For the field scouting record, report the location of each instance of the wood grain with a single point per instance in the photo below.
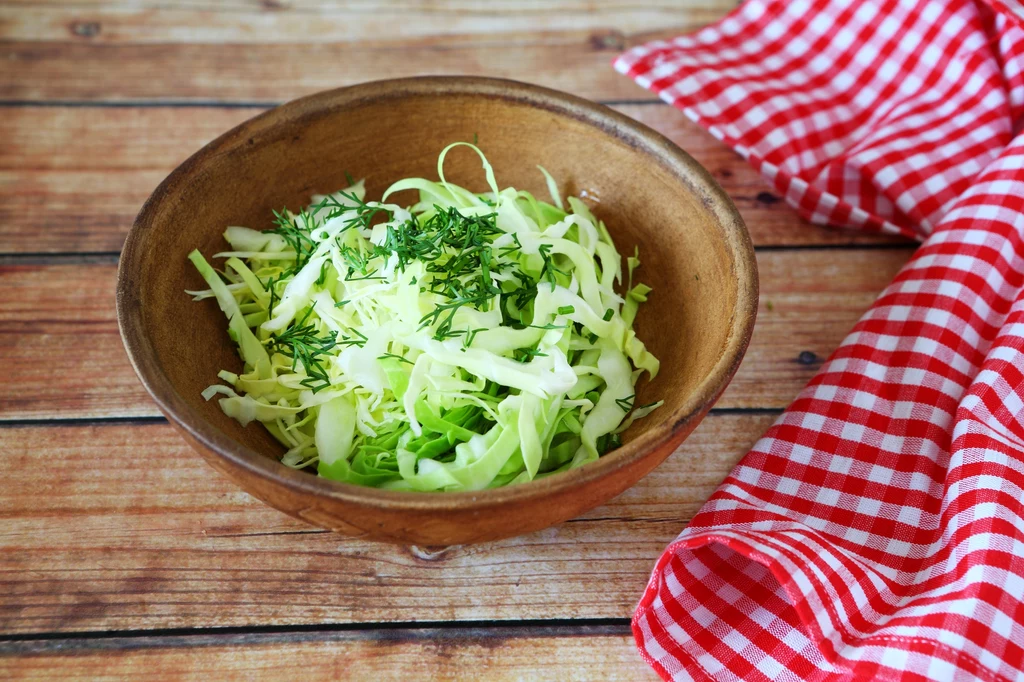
(478, 654)
(357, 9)
(357, 24)
(80, 69)
(122, 526)
(810, 300)
(64, 358)
(72, 179)
(576, 62)
(276, 49)
(60, 343)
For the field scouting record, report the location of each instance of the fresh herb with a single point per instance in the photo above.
(359, 340)
(370, 275)
(444, 314)
(548, 271)
(353, 258)
(506, 250)
(441, 257)
(323, 273)
(297, 238)
(468, 340)
(396, 357)
(302, 343)
(527, 354)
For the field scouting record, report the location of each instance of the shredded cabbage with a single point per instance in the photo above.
(468, 341)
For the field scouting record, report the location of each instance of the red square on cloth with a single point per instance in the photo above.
(876, 531)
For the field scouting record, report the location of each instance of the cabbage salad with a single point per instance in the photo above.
(468, 341)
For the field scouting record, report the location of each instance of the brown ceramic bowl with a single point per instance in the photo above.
(695, 251)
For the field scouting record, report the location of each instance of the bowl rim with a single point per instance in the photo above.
(652, 144)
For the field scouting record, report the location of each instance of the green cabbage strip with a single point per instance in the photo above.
(467, 341)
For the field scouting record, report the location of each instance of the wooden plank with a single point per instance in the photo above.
(475, 7)
(63, 355)
(810, 300)
(40, 71)
(72, 179)
(478, 654)
(122, 527)
(61, 345)
(387, 22)
(276, 50)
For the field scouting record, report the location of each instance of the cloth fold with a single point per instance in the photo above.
(876, 531)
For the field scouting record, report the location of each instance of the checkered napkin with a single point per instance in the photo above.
(876, 531)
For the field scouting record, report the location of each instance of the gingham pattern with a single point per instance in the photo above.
(876, 531)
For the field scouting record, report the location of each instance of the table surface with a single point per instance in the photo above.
(122, 552)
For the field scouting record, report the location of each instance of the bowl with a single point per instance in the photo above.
(695, 250)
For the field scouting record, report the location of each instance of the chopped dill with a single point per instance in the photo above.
(396, 357)
(427, 278)
(302, 343)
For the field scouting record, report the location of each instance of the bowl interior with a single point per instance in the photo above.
(670, 210)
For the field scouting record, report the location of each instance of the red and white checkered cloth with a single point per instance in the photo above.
(876, 531)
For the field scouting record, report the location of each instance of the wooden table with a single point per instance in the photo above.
(122, 553)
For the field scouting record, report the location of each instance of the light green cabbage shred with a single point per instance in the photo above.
(465, 342)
